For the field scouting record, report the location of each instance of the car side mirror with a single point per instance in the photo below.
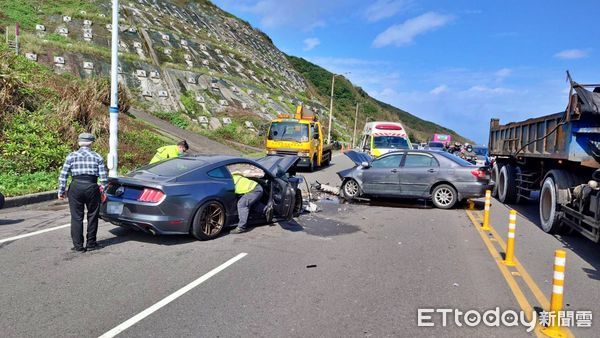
(365, 165)
(316, 136)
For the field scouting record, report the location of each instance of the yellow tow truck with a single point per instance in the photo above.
(300, 135)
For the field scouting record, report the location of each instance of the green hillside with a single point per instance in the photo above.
(347, 95)
(41, 114)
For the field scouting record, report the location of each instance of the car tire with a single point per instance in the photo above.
(298, 203)
(494, 178)
(213, 213)
(507, 190)
(350, 189)
(444, 196)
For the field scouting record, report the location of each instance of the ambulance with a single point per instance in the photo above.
(379, 138)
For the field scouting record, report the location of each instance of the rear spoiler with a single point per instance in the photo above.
(135, 182)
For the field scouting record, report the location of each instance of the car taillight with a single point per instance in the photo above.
(151, 196)
(479, 173)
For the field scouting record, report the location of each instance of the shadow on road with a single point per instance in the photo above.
(123, 235)
(583, 247)
(10, 221)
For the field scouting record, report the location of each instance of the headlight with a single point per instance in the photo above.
(271, 152)
(303, 153)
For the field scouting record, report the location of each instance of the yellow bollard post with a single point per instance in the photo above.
(486, 211)
(556, 301)
(510, 241)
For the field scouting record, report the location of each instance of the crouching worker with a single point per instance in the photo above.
(172, 151)
(250, 193)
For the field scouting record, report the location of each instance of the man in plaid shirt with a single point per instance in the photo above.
(86, 167)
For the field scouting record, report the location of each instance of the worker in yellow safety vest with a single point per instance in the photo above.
(250, 192)
(171, 151)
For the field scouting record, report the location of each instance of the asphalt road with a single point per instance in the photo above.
(348, 270)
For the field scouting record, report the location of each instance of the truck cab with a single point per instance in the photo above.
(300, 135)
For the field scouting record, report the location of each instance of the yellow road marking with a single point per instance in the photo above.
(510, 280)
(539, 295)
(533, 287)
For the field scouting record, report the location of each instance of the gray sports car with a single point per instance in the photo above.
(443, 177)
(195, 194)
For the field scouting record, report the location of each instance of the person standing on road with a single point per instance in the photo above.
(250, 192)
(86, 167)
(171, 151)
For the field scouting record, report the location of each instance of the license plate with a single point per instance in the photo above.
(114, 208)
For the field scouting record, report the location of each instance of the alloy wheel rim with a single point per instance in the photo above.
(212, 219)
(351, 188)
(444, 196)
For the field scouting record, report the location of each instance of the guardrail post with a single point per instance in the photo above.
(556, 301)
(509, 257)
(486, 211)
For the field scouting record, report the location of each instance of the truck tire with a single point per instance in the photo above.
(507, 190)
(327, 157)
(494, 178)
(555, 191)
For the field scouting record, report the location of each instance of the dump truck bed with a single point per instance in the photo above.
(575, 138)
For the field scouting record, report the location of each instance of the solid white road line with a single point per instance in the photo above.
(9, 239)
(133, 320)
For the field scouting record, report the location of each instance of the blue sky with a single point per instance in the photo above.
(457, 63)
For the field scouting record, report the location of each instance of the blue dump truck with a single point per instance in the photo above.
(556, 160)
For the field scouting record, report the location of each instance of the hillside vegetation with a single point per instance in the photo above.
(346, 95)
(41, 114)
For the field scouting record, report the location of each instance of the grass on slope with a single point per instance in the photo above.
(346, 96)
(28, 13)
(41, 114)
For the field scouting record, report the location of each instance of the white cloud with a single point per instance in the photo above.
(503, 73)
(439, 90)
(404, 33)
(311, 43)
(572, 54)
(383, 9)
(490, 90)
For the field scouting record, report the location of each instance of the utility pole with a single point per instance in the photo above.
(331, 107)
(355, 122)
(113, 111)
(330, 110)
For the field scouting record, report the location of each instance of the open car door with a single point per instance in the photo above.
(284, 187)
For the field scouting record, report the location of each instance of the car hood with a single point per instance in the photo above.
(278, 164)
(358, 157)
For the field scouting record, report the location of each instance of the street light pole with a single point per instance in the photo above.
(113, 111)
(330, 110)
(355, 122)
(331, 107)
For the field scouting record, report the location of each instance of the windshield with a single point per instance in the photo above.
(390, 142)
(171, 167)
(288, 131)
